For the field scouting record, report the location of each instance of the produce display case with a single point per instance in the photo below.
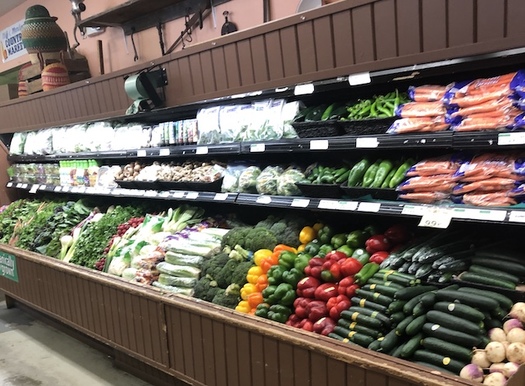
(203, 344)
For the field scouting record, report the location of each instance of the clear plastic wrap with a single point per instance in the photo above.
(286, 182)
(17, 143)
(248, 179)
(208, 126)
(268, 180)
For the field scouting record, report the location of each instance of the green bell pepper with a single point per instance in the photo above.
(301, 262)
(268, 294)
(338, 240)
(275, 274)
(346, 250)
(293, 276)
(284, 294)
(369, 231)
(287, 259)
(279, 313)
(356, 239)
(325, 248)
(325, 234)
(262, 310)
(361, 255)
(312, 248)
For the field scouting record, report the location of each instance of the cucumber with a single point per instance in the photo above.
(491, 323)
(460, 338)
(376, 344)
(503, 301)
(453, 266)
(357, 301)
(410, 347)
(396, 351)
(480, 279)
(339, 338)
(390, 341)
(428, 300)
(419, 309)
(495, 273)
(414, 267)
(460, 310)
(453, 322)
(446, 277)
(410, 292)
(353, 336)
(440, 346)
(439, 360)
(404, 268)
(416, 325)
(431, 366)
(397, 317)
(408, 308)
(470, 299)
(375, 280)
(357, 327)
(424, 271)
(374, 296)
(396, 306)
(442, 250)
(347, 314)
(382, 289)
(364, 320)
(397, 277)
(401, 326)
(501, 255)
(506, 266)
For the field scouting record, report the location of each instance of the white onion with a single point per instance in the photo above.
(495, 352)
(511, 324)
(518, 311)
(480, 358)
(510, 368)
(472, 372)
(495, 379)
(516, 335)
(516, 352)
(497, 335)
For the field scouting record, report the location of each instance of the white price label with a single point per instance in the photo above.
(304, 89)
(480, 214)
(117, 191)
(220, 196)
(359, 78)
(201, 150)
(263, 200)
(24, 186)
(74, 189)
(34, 189)
(436, 218)
(366, 142)
(337, 205)
(42, 187)
(9, 184)
(319, 144)
(19, 185)
(517, 216)
(412, 210)
(141, 153)
(373, 207)
(257, 148)
(164, 152)
(178, 194)
(164, 194)
(300, 203)
(511, 138)
(65, 188)
(57, 189)
(150, 193)
(81, 189)
(192, 195)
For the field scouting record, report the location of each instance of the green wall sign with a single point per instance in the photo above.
(8, 266)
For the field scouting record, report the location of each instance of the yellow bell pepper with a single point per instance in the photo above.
(260, 255)
(248, 289)
(318, 226)
(307, 234)
(301, 247)
(253, 274)
(243, 306)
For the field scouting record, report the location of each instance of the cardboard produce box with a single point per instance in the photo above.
(8, 92)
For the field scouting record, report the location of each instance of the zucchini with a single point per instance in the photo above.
(495, 273)
(460, 338)
(460, 310)
(396, 351)
(374, 296)
(453, 322)
(397, 277)
(347, 314)
(353, 336)
(500, 254)
(410, 292)
(481, 279)
(470, 299)
(408, 308)
(390, 341)
(382, 289)
(363, 319)
(491, 323)
(333, 335)
(397, 317)
(428, 300)
(503, 301)
(506, 266)
(416, 325)
(375, 345)
(419, 309)
(357, 327)
(375, 280)
(431, 366)
(402, 326)
(396, 306)
(357, 301)
(410, 347)
(439, 360)
(440, 346)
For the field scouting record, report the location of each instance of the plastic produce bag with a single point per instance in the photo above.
(17, 143)
(268, 180)
(288, 113)
(248, 179)
(208, 124)
(186, 282)
(234, 121)
(100, 136)
(178, 270)
(230, 182)
(286, 183)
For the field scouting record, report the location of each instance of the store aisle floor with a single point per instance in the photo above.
(35, 354)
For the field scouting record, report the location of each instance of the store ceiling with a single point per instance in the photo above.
(8, 5)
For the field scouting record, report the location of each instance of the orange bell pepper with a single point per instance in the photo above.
(262, 282)
(255, 299)
(284, 247)
(267, 262)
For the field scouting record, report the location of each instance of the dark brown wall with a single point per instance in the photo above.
(347, 37)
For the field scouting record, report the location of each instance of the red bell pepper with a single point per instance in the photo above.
(315, 267)
(316, 310)
(307, 286)
(347, 287)
(336, 256)
(301, 307)
(379, 257)
(350, 267)
(324, 326)
(397, 234)
(325, 291)
(293, 320)
(306, 325)
(336, 305)
(377, 243)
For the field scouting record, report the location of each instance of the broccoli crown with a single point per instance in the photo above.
(213, 266)
(236, 236)
(239, 275)
(260, 238)
(205, 289)
(228, 297)
(224, 277)
(268, 222)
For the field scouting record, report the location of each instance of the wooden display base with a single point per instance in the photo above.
(78, 70)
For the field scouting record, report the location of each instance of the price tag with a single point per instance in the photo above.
(74, 189)
(517, 216)
(65, 188)
(150, 193)
(369, 207)
(257, 148)
(192, 195)
(337, 205)
(366, 142)
(480, 214)
(304, 89)
(220, 196)
(117, 191)
(164, 194)
(18, 185)
(359, 78)
(263, 200)
(90, 190)
(201, 150)
(164, 152)
(34, 189)
(319, 144)
(300, 203)
(141, 153)
(412, 210)
(42, 187)
(326, 204)
(81, 189)
(9, 184)
(436, 218)
(511, 138)
(178, 194)
(24, 186)
(57, 189)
